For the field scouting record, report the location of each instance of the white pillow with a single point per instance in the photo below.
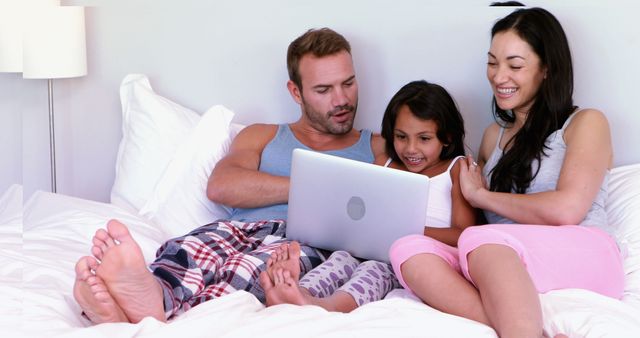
(179, 203)
(623, 213)
(152, 129)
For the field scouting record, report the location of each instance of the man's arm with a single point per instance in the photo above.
(236, 182)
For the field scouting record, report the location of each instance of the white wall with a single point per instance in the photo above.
(10, 131)
(202, 53)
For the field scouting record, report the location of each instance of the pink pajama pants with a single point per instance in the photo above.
(556, 257)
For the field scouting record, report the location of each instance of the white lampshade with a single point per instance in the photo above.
(54, 43)
(10, 38)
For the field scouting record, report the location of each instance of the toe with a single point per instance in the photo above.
(265, 281)
(97, 252)
(281, 252)
(92, 262)
(294, 249)
(101, 240)
(83, 271)
(118, 231)
(278, 276)
(101, 237)
(275, 255)
(287, 278)
(98, 288)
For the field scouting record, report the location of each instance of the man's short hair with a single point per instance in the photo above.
(319, 42)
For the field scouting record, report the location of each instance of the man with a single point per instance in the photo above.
(225, 256)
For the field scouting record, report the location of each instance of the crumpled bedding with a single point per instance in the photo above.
(42, 240)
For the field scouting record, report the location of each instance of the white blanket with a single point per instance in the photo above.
(37, 275)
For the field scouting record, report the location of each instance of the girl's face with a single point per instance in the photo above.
(415, 141)
(514, 72)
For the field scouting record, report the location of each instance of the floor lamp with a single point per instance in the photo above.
(53, 47)
(10, 40)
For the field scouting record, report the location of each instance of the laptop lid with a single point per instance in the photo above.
(362, 208)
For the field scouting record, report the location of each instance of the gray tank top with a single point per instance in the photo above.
(548, 175)
(276, 160)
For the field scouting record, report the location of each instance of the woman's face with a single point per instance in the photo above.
(416, 142)
(514, 71)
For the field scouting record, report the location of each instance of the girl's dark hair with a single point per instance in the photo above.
(427, 101)
(552, 105)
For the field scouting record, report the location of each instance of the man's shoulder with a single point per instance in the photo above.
(256, 135)
(259, 130)
(261, 127)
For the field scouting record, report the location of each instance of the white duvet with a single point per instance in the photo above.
(38, 252)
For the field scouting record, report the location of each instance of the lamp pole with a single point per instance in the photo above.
(52, 138)
(53, 47)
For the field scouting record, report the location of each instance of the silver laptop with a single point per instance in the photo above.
(362, 208)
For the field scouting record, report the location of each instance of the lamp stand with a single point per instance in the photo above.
(52, 138)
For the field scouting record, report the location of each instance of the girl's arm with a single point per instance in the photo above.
(588, 156)
(462, 213)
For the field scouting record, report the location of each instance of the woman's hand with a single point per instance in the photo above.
(472, 183)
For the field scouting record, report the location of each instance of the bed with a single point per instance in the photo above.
(165, 156)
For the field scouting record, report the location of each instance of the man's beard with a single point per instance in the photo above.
(323, 122)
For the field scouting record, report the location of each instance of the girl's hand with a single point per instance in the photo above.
(472, 183)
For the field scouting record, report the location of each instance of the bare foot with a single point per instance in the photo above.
(101, 243)
(283, 289)
(125, 273)
(287, 257)
(92, 295)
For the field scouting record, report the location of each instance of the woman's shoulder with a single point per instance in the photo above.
(588, 115)
(585, 120)
(492, 131)
(489, 141)
(589, 133)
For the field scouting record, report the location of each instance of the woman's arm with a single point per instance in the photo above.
(462, 213)
(588, 156)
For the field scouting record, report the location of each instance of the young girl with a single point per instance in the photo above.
(424, 133)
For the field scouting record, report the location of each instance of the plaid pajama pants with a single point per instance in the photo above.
(219, 258)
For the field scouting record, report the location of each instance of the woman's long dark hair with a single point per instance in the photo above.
(427, 101)
(553, 103)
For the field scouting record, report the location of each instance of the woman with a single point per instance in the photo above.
(546, 162)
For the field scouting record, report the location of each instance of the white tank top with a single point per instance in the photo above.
(548, 175)
(439, 208)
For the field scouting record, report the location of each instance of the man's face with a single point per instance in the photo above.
(329, 96)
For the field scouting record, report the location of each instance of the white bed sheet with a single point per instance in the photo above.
(58, 230)
(10, 249)
(39, 267)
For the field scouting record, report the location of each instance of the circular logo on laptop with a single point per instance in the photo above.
(356, 208)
